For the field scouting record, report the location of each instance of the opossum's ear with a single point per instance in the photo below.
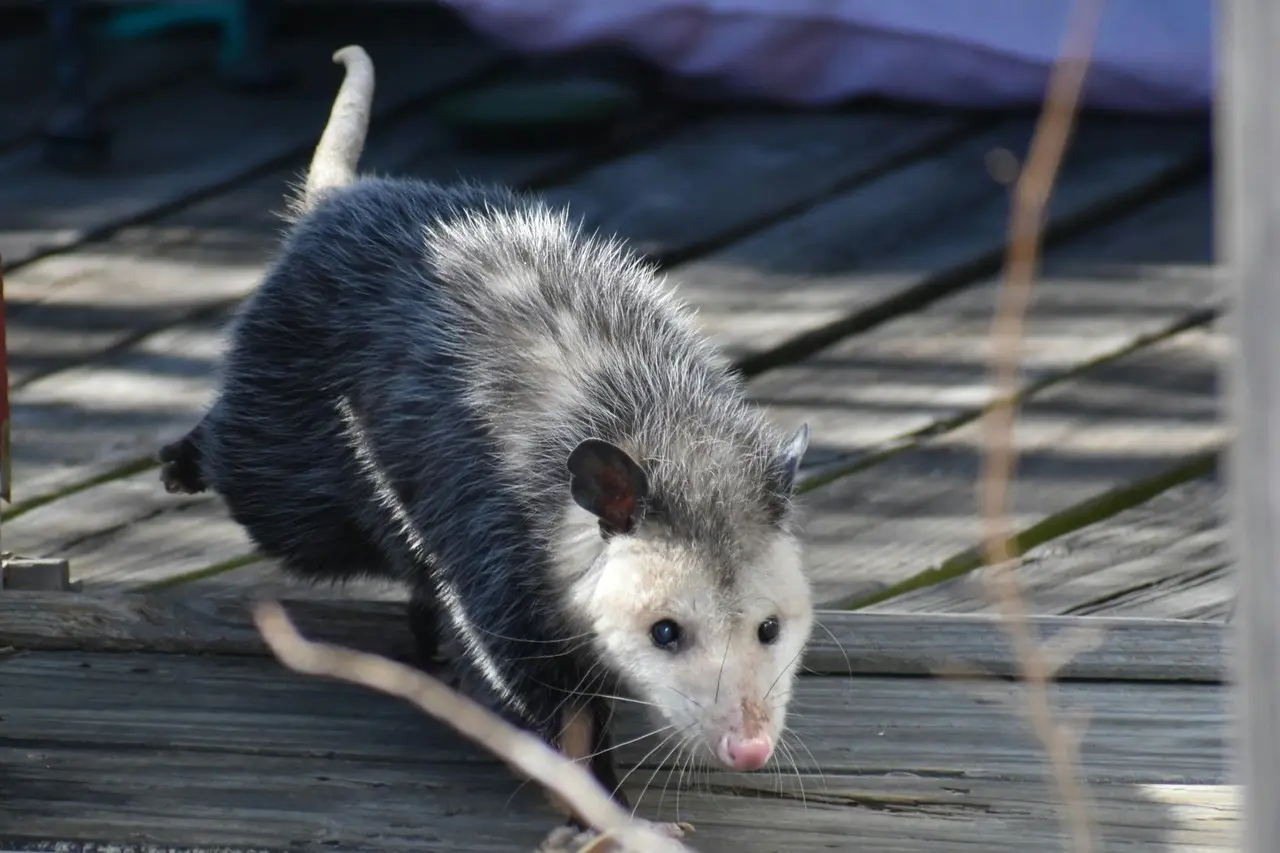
(792, 454)
(608, 483)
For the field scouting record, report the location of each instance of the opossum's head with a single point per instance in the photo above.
(699, 604)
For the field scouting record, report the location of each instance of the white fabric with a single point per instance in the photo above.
(1150, 55)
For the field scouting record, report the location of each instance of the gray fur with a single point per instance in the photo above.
(401, 393)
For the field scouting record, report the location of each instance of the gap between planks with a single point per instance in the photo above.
(1165, 557)
(843, 643)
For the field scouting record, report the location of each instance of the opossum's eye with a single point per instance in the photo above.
(768, 631)
(665, 634)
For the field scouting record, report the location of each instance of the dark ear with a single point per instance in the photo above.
(789, 463)
(608, 483)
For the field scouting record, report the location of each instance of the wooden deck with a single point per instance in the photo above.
(847, 260)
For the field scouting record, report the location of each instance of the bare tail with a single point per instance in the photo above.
(338, 152)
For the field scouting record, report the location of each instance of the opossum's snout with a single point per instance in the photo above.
(748, 754)
(742, 704)
(752, 753)
(747, 743)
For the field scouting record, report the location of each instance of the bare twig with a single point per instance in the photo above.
(618, 831)
(1030, 197)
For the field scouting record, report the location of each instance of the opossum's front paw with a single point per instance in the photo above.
(180, 471)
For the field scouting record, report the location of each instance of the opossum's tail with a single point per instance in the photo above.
(338, 152)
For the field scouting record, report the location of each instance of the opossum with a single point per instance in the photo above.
(458, 388)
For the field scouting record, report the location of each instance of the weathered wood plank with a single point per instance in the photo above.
(919, 232)
(1137, 732)
(1153, 817)
(1127, 421)
(1097, 295)
(122, 70)
(198, 135)
(1136, 649)
(905, 794)
(1166, 558)
(844, 643)
(228, 801)
(721, 176)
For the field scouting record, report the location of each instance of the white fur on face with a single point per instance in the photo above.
(722, 680)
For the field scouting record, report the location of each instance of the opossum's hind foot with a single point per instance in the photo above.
(180, 468)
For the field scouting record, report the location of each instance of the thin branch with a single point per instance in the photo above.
(1030, 198)
(620, 833)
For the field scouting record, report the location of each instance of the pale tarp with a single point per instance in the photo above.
(1150, 55)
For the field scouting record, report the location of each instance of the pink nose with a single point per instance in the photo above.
(745, 753)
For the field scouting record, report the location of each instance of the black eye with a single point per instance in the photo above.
(665, 634)
(768, 631)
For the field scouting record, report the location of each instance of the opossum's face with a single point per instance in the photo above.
(714, 649)
(717, 660)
